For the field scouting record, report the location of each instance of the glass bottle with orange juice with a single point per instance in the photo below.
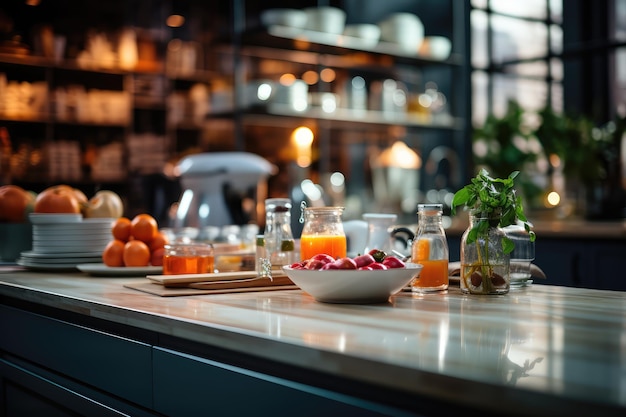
(430, 248)
(323, 232)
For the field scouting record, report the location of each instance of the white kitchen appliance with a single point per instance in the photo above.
(221, 188)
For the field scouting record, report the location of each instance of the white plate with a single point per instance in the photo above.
(77, 254)
(101, 270)
(353, 286)
(65, 261)
(71, 239)
(45, 218)
(59, 250)
(78, 227)
(45, 266)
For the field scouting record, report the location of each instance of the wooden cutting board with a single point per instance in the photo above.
(162, 291)
(236, 279)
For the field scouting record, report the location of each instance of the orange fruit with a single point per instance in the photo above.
(57, 199)
(14, 201)
(143, 227)
(121, 229)
(136, 253)
(158, 241)
(156, 257)
(113, 254)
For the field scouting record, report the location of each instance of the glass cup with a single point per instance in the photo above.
(522, 256)
(188, 258)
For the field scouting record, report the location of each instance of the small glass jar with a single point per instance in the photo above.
(485, 267)
(323, 232)
(430, 248)
(278, 239)
(188, 258)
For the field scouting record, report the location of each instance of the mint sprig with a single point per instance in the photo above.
(494, 202)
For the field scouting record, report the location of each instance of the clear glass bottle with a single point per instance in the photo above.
(323, 232)
(485, 268)
(278, 238)
(430, 248)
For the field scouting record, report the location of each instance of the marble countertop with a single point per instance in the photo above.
(534, 351)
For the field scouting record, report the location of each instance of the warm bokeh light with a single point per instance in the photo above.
(553, 199)
(175, 21)
(310, 77)
(287, 79)
(302, 138)
(555, 160)
(328, 75)
(401, 156)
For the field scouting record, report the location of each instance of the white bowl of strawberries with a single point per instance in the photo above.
(369, 278)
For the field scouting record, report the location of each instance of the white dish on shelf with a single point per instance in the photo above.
(363, 35)
(436, 47)
(47, 218)
(353, 286)
(326, 19)
(292, 18)
(403, 29)
(101, 270)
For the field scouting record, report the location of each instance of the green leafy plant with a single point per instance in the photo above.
(494, 202)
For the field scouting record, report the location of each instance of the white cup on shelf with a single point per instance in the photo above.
(404, 30)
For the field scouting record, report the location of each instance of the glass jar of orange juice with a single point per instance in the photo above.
(430, 248)
(188, 258)
(322, 232)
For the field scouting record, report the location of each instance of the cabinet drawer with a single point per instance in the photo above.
(187, 385)
(114, 364)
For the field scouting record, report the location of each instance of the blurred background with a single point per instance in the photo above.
(112, 95)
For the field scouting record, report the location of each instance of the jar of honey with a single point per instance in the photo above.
(322, 232)
(188, 258)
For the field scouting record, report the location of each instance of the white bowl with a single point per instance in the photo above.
(353, 286)
(292, 18)
(403, 29)
(367, 33)
(326, 19)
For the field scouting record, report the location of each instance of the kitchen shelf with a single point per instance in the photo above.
(341, 44)
(341, 118)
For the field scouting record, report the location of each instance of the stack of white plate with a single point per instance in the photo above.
(62, 241)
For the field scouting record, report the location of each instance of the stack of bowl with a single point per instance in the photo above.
(62, 241)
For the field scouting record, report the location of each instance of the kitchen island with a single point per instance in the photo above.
(73, 344)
